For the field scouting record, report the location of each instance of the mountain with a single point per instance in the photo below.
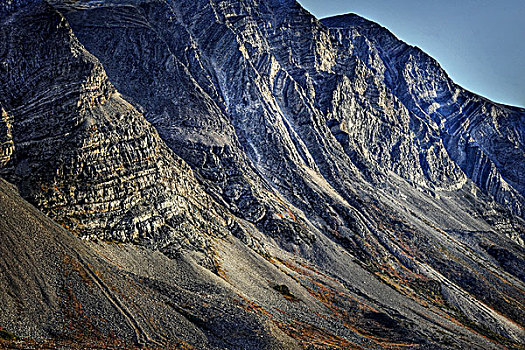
(243, 175)
(84, 155)
(484, 138)
(61, 292)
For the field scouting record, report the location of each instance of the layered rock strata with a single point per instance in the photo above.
(358, 217)
(82, 153)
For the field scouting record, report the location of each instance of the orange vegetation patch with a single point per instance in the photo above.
(76, 267)
(294, 268)
(185, 346)
(312, 336)
(79, 329)
(287, 209)
(248, 305)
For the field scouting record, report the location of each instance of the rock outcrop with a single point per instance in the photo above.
(6, 138)
(484, 138)
(342, 188)
(82, 153)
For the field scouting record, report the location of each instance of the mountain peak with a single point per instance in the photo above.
(348, 20)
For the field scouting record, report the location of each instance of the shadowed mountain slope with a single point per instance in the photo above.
(84, 155)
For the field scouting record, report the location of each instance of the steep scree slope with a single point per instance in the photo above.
(57, 291)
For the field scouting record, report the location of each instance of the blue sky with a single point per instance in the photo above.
(480, 43)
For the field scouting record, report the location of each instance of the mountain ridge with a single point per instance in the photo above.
(365, 21)
(447, 87)
(310, 186)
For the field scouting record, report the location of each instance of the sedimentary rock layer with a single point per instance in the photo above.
(82, 153)
(341, 186)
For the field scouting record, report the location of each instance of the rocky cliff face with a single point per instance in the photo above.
(6, 138)
(346, 187)
(485, 139)
(83, 154)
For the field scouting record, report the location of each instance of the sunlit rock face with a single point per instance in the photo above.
(335, 180)
(82, 153)
(6, 138)
(485, 139)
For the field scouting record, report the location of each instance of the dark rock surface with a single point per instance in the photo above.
(341, 186)
(9, 6)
